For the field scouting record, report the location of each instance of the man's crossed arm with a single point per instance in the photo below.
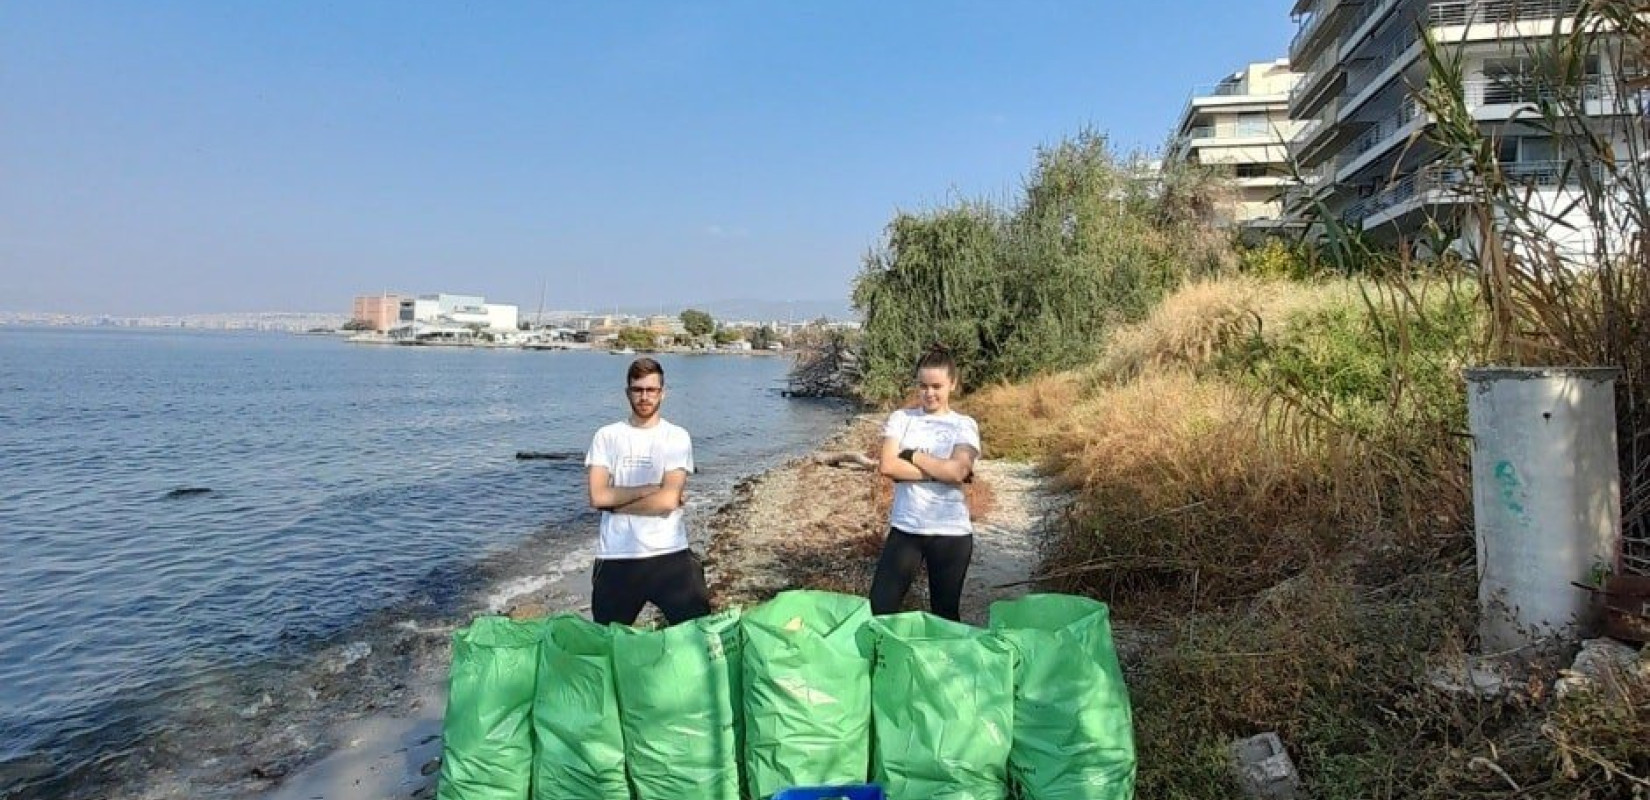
(653, 500)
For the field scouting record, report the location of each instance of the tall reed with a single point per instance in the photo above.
(1566, 275)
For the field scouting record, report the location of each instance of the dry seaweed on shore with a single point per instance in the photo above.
(806, 524)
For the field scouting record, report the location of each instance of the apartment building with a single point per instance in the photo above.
(1242, 123)
(1362, 150)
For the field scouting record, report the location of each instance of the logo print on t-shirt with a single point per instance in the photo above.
(635, 470)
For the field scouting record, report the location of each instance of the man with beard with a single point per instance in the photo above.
(638, 469)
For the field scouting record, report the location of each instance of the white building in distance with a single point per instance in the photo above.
(1242, 123)
(457, 311)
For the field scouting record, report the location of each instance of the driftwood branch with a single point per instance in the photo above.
(846, 460)
(534, 455)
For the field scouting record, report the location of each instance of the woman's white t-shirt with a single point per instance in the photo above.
(640, 457)
(931, 508)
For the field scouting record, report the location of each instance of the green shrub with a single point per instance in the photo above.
(1276, 259)
(1015, 293)
(1372, 359)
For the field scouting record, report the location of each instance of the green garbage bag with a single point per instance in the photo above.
(942, 705)
(580, 748)
(486, 734)
(679, 708)
(807, 683)
(1073, 733)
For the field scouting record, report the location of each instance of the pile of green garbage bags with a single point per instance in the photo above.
(807, 689)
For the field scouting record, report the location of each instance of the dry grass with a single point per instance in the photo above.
(1181, 491)
(1019, 420)
(1195, 324)
(1195, 480)
(1291, 521)
(1603, 734)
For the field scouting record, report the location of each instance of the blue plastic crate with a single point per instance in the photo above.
(858, 791)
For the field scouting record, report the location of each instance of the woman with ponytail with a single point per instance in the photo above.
(929, 452)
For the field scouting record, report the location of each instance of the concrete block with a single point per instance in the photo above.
(1264, 769)
(1475, 677)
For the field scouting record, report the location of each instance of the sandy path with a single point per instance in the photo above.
(811, 525)
(1008, 538)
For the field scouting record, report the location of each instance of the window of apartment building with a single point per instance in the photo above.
(1526, 67)
(1508, 68)
(1631, 66)
(1515, 149)
(1508, 80)
(1523, 80)
(1532, 160)
(1253, 170)
(1254, 125)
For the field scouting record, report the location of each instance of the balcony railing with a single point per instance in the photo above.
(1326, 117)
(1451, 184)
(1359, 78)
(1401, 191)
(1495, 12)
(1239, 131)
(1308, 25)
(1222, 89)
(1374, 10)
(1548, 174)
(1314, 20)
(1306, 132)
(1381, 131)
(1324, 62)
(1311, 180)
(1523, 90)
(1320, 68)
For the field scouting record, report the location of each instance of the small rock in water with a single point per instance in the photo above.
(187, 491)
(351, 653)
(430, 767)
(257, 707)
(27, 768)
(273, 771)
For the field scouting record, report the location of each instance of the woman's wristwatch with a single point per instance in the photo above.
(909, 454)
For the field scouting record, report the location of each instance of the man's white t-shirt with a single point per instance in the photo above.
(931, 508)
(640, 457)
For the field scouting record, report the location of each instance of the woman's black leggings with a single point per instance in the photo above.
(947, 558)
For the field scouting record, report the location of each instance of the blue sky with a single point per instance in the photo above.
(182, 157)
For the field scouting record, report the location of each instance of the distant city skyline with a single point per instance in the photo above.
(194, 157)
(724, 311)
